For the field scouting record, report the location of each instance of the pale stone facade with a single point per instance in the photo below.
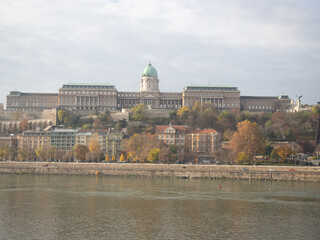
(90, 98)
(191, 143)
(18, 101)
(265, 104)
(219, 96)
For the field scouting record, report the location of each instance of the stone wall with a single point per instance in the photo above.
(164, 170)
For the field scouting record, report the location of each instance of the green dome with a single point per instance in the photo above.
(150, 72)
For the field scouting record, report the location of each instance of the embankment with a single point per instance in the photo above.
(279, 173)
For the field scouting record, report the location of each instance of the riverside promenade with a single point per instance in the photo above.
(274, 173)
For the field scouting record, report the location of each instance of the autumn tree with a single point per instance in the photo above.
(141, 144)
(68, 156)
(122, 158)
(284, 152)
(106, 158)
(24, 125)
(80, 151)
(25, 154)
(247, 139)
(52, 152)
(114, 158)
(94, 146)
(41, 153)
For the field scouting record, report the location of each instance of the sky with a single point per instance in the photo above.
(265, 48)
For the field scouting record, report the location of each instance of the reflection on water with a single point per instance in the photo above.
(78, 207)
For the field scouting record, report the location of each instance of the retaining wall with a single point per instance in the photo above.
(165, 170)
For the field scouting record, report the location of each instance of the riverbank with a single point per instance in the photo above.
(275, 173)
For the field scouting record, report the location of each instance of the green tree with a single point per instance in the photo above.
(173, 151)
(139, 112)
(61, 116)
(274, 154)
(269, 149)
(154, 155)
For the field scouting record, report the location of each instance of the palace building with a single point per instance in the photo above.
(92, 97)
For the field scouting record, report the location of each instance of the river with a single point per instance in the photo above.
(98, 207)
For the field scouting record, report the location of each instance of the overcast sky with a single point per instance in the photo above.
(262, 47)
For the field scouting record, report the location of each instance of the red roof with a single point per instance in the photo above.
(180, 128)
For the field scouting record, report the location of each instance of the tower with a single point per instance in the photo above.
(149, 81)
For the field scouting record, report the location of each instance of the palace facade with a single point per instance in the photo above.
(91, 97)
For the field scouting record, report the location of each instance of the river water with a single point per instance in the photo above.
(88, 207)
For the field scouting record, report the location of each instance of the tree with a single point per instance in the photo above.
(114, 158)
(241, 158)
(106, 158)
(227, 135)
(94, 146)
(122, 158)
(173, 151)
(41, 153)
(51, 153)
(61, 116)
(284, 152)
(247, 139)
(316, 111)
(139, 112)
(154, 155)
(24, 125)
(80, 152)
(183, 113)
(141, 144)
(274, 154)
(25, 154)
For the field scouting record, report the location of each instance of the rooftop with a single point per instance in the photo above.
(210, 87)
(95, 85)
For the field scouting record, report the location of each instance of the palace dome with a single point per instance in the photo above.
(150, 71)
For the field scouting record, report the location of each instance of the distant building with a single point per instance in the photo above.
(198, 143)
(125, 144)
(110, 143)
(88, 97)
(34, 139)
(265, 104)
(175, 135)
(218, 96)
(18, 101)
(203, 143)
(63, 139)
(7, 141)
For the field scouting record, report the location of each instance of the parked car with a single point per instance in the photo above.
(292, 170)
(244, 169)
(272, 170)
